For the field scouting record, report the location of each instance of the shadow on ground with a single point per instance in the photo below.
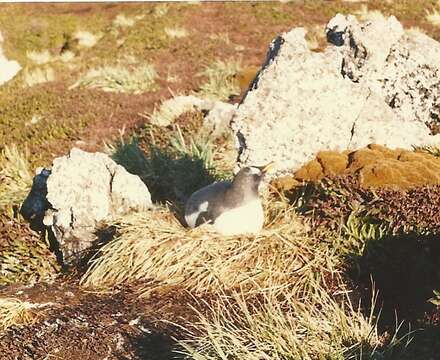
(154, 346)
(171, 177)
(404, 271)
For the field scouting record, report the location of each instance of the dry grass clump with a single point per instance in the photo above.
(38, 76)
(320, 325)
(155, 247)
(171, 109)
(369, 15)
(86, 39)
(39, 57)
(221, 83)
(15, 176)
(120, 78)
(15, 312)
(176, 32)
(433, 17)
(124, 21)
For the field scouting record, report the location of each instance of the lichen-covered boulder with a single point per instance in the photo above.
(8, 68)
(81, 190)
(374, 84)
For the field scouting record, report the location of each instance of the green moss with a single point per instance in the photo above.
(403, 9)
(25, 32)
(147, 34)
(32, 118)
(271, 12)
(328, 9)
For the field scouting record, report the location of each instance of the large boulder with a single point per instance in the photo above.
(373, 84)
(8, 68)
(80, 191)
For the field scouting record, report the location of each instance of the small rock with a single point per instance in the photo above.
(80, 191)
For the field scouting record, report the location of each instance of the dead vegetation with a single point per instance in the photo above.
(14, 312)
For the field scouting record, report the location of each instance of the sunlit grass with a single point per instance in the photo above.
(86, 38)
(433, 17)
(39, 57)
(120, 78)
(318, 325)
(15, 312)
(15, 176)
(221, 83)
(155, 247)
(176, 32)
(38, 76)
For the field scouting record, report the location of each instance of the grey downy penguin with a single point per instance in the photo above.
(232, 207)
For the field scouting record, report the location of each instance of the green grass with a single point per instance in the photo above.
(163, 169)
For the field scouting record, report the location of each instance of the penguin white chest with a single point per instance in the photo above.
(248, 218)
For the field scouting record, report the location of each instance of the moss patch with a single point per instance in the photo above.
(35, 120)
(375, 166)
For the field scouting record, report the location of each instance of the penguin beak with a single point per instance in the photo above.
(268, 167)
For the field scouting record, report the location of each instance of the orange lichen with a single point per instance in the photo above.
(246, 76)
(332, 162)
(374, 166)
(312, 171)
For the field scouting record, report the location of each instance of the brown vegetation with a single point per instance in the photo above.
(374, 166)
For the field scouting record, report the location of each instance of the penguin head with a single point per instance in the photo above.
(249, 177)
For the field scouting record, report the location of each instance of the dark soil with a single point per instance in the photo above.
(80, 325)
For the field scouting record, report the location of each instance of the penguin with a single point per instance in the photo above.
(232, 207)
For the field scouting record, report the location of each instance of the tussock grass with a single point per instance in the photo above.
(161, 10)
(164, 168)
(86, 39)
(120, 78)
(38, 76)
(318, 326)
(15, 312)
(222, 37)
(39, 57)
(222, 82)
(369, 15)
(24, 256)
(176, 32)
(172, 108)
(433, 17)
(15, 176)
(156, 248)
(123, 21)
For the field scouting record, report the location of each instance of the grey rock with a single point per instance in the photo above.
(81, 191)
(373, 84)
